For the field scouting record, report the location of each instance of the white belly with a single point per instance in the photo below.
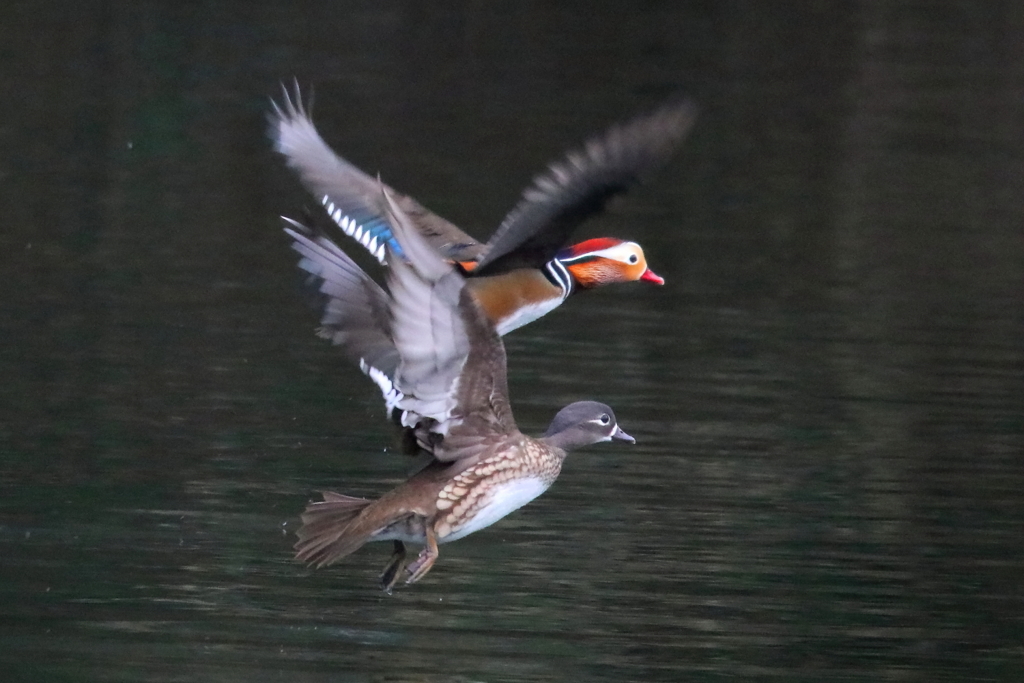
(527, 314)
(507, 498)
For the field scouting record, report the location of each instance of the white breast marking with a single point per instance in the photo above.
(502, 500)
(527, 314)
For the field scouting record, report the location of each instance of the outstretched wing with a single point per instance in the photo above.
(580, 185)
(452, 371)
(356, 314)
(352, 198)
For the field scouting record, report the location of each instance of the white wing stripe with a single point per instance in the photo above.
(391, 393)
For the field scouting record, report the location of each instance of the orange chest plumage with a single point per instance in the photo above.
(515, 298)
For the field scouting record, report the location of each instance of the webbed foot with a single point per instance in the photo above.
(422, 564)
(389, 576)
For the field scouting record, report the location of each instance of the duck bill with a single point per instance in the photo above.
(620, 435)
(650, 276)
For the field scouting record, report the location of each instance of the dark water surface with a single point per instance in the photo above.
(828, 394)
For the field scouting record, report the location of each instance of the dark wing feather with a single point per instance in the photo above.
(352, 198)
(356, 313)
(580, 185)
(452, 372)
(485, 416)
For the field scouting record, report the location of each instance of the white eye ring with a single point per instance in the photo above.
(605, 419)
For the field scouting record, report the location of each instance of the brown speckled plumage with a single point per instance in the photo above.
(467, 492)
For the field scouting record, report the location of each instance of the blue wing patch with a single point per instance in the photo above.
(370, 230)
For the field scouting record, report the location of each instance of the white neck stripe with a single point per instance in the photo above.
(561, 275)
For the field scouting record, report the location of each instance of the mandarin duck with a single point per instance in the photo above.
(450, 385)
(524, 270)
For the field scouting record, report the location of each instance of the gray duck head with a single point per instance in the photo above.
(583, 423)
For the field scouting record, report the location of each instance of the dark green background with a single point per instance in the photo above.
(828, 393)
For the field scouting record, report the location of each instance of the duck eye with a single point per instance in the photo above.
(633, 258)
(605, 419)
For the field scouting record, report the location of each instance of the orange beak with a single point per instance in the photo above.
(649, 276)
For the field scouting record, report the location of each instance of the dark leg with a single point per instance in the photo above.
(419, 568)
(394, 566)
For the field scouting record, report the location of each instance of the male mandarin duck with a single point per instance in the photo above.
(450, 383)
(524, 270)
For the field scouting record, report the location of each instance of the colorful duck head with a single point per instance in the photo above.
(606, 260)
